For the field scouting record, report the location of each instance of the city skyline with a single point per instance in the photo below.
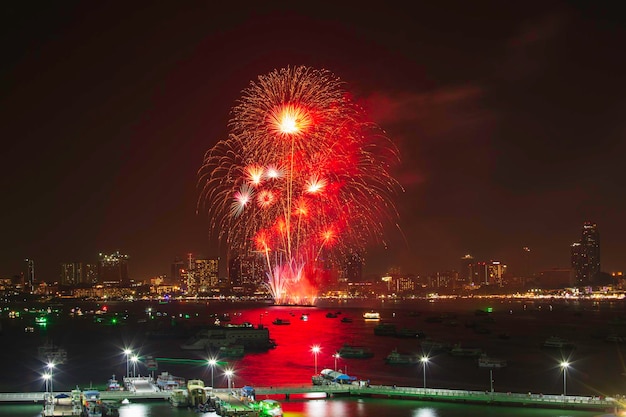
(507, 118)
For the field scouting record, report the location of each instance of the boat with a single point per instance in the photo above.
(167, 382)
(371, 315)
(485, 361)
(410, 333)
(214, 337)
(346, 319)
(355, 352)
(434, 346)
(458, 350)
(304, 317)
(113, 384)
(196, 392)
(556, 342)
(179, 397)
(92, 404)
(614, 338)
(281, 322)
(51, 353)
(397, 358)
(270, 408)
(385, 329)
(232, 351)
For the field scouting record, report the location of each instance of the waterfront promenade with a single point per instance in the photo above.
(571, 402)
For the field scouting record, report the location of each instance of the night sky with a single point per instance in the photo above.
(509, 116)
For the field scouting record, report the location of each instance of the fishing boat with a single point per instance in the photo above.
(179, 397)
(459, 350)
(196, 392)
(166, 381)
(485, 361)
(113, 384)
(355, 352)
(92, 404)
(371, 315)
(397, 358)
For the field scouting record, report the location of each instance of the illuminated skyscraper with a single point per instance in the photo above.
(113, 268)
(585, 254)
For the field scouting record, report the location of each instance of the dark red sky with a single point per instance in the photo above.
(509, 117)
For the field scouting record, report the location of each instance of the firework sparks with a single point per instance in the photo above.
(302, 178)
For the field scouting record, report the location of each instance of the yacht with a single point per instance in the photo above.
(371, 315)
(485, 361)
(355, 352)
(397, 358)
(558, 343)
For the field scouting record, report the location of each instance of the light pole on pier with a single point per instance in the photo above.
(229, 375)
(564, 366)
(212, 363)
(316, 349)
(127, 352)
(336, 356)
(50, 367)
(424, 360)
(134, 360)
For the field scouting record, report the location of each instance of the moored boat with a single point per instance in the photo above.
(166, 381)
(459, 350)
(92, 404)
(270, 408)
(397, 358)
(179, 397)
(113, 384)
(434, 346)
(557, 342)
(485, 361)
(355, 352)
(371, 315)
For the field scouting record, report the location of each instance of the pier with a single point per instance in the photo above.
(232, 405)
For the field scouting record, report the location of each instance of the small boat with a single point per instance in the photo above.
(196, 392)
(113, 384)
(179, 397)
(397, 358)
(385, 329)
(346, 319)
(304, 317)
(231, 351)
(371, 315)
(331, 315)
(556, 342)
(270, 408)
(167, 382)
(281, 322)
(485, 361)
(433, 346)
(355, 352)
(92, 404)
(458, 350)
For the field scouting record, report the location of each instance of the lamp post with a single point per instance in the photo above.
(564, 366)
(212, 363)
(424, 360)
(46, 378)
(50, 366)
(134, 360)
(336, 356)
(229, 375)
(316, 349)
(127, 352)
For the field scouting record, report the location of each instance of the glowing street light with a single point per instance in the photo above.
(134, 360)
(47, 377)
(564, 366)
(127, 352)
(212, 363)
(424, 360)
(229, 374)
(316, 349)
(336, 356)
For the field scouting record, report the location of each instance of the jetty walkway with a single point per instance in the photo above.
(573, 402)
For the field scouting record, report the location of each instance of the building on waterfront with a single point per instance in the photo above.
(585, 257)
(113, 269)
(467, 272)
(71, 274)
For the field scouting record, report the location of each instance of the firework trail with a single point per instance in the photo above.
(302, 180)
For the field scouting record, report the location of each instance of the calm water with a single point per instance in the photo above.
(95, 352)
(333, 408)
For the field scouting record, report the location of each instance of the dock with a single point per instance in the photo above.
(231, 405)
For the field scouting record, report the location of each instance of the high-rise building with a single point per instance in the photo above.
(113, 269)
(586, 256)
(467, 271)
(71, 273)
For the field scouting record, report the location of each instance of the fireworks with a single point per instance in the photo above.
(302, 180)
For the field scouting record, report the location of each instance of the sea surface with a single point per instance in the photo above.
(514, 330)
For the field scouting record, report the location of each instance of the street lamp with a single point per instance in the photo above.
(134, 360)
(229, 375)
(336, 356)
(564, 366)
(212, 363)
(316, 349)
(46, 377)
(127, 352)
(424, 360)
